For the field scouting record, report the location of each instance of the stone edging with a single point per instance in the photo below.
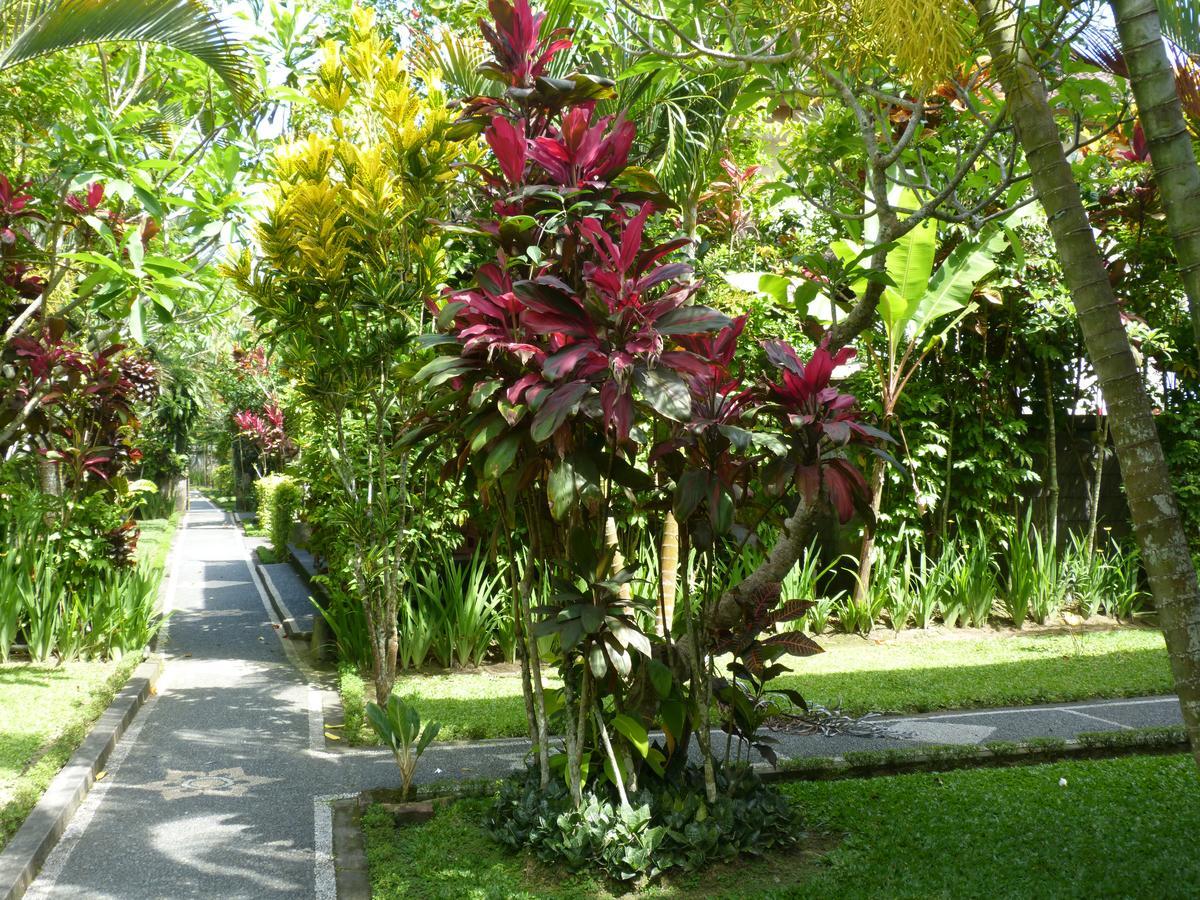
(25, 854)
(350, 850)
(290, 628)
(942, 758)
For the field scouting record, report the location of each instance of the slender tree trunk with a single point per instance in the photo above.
(1101, 450)
(945, 519)
(668, 564)
(618, 563)
(1171, 153)
(1152, 503)
(1051, 456)
(866, 555)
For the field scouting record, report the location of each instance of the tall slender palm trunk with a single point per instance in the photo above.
(1171, 153)
(1147, 483)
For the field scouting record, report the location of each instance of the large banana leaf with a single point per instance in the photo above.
(950, 288)
(910, 262)
(33, 28)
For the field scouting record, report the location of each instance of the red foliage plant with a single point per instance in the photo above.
(581, 382)
(583, 324)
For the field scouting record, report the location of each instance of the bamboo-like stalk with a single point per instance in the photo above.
(668, 574)
(1101, 448)
(612, 757)
(1051, 455)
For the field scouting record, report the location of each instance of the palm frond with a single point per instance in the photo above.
(34, 28)
(456, 58)
(1098, 44)
(1181, 25)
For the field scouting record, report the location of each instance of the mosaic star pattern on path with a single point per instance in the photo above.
(232, 782)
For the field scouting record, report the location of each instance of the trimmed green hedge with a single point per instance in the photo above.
(277, 497)
(222, 480)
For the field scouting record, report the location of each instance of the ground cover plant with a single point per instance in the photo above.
(1101, 813)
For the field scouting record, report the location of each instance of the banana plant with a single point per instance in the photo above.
(917, 310)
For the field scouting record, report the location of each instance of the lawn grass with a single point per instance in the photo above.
(916, 674)
(922, 675)
(154, 541)
(1117, 828)
(46, 710)
(45, 713)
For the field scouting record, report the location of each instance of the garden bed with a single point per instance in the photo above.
(1117, 826)
(915, 672)
(47, 709)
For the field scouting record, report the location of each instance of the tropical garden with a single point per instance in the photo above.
(642, 380)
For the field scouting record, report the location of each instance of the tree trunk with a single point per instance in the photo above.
(1171, 153)
(668, 575)
(866, 558)
(1051, 457)
(1147, 483)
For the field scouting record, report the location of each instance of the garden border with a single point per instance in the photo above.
(349, 844)
(25, 854)
(947, 757)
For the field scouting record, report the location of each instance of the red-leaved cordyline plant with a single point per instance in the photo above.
(83, 419)
(264, 431)
(588, 391)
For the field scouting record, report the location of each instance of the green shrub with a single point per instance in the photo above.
(64, 606)
(222, 480)
(666, 826)
(398, 726)
(276, 498)
(343, 612)
(352, 691)
(284, 502)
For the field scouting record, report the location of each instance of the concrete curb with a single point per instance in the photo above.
(25, 854)
(290, 628)
(350, 851)
(885, 763)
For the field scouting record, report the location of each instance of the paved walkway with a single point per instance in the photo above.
(221, 787)
(211, 791)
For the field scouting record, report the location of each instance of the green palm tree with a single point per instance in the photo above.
(1148, 489)
(1157, 85)
(33, 28)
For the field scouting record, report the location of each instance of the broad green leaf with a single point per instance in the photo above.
(633, 731)
(666, 392)
(137, 321)
(501, 457)
(951, 287)
(909, 265)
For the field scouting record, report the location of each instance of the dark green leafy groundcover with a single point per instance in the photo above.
(665, 826)
(1118, 828)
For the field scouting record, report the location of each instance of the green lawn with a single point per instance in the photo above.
(912, 674)
(45, 713)
(46, 709)
(155, 540)
(1117, 828)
